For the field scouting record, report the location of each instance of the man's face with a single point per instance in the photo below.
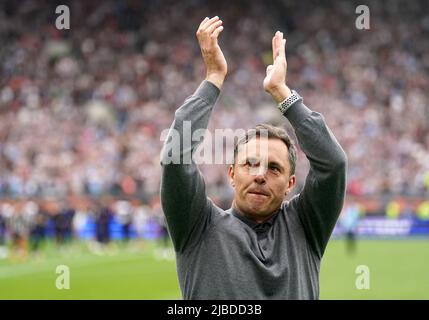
(261, 177)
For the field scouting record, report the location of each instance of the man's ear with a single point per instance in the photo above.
(291, 184)
(231, 175)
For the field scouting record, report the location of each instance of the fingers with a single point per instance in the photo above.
(202, 22)
(273, 45)
(212, 27)
(208, 22)
(282, 53)
(215, 33)
(269, 68)
(278, 44)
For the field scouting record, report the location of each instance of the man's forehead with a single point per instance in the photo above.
(273, 149)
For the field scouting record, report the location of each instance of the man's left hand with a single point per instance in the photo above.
(275, 80)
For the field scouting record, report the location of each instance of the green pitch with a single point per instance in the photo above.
(398, 270)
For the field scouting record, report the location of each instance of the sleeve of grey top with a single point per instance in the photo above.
(183, 195)
(320, 202)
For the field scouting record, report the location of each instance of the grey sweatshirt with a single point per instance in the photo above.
(223, 255)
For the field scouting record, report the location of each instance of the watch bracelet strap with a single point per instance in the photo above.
(289, 101)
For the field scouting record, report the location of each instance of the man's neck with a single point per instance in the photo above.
(258, 219)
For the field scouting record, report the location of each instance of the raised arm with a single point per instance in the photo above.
(320, 202)
(183, 196)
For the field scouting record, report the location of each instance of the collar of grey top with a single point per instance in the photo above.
(253, 224)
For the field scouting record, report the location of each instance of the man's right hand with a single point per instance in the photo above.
(214, 59)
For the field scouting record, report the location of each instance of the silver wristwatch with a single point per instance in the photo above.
(288, 102)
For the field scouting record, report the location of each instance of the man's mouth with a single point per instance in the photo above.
(259, 193)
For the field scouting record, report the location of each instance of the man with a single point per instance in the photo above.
(350, 221)
(124, 214)
(263, 247)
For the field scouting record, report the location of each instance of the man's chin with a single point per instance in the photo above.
(258, 209)
(255, 208)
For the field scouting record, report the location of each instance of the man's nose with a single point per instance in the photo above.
(260, 179)
(259, 174)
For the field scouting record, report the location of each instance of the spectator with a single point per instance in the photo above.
(3, 248)
(349, 220)
(124, 215)
(103, 217)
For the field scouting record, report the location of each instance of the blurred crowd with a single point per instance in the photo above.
(25, 226)
(82, 110)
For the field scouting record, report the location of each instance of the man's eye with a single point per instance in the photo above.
(275, 169)
(251, 163)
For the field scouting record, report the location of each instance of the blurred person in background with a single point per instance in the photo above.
(103, 217)
(158, 218)
(3, 248)
(349, 220)
(60, 224)
(68, 212)
(63, 222)
(81, 219)
(18, 226)
(38, 232)
(124, 216)
(37, 225)
(163, 231)
(140, 218)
